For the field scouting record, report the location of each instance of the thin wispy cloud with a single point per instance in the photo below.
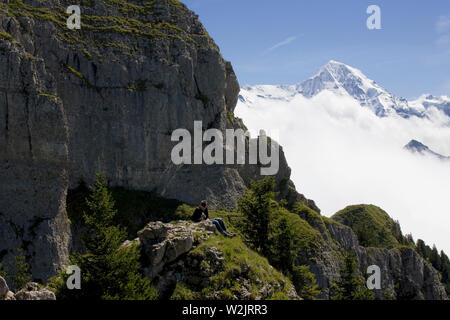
(443, 24)
(443, 30)
(281, 44)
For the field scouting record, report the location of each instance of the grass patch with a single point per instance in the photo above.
(240, 261)
(5, 35)
(80, 76)
(230, 116)
(123, 17)
(48, 96)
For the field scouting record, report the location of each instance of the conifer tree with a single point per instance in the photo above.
(282, 255)
(255, 206)
(109, 270)
(350, 286)
(305, 283)
(21, 271)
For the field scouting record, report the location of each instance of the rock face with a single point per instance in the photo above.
(163, 243)
(404, 273)
(106, 99)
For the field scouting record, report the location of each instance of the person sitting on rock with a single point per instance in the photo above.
(201, 213)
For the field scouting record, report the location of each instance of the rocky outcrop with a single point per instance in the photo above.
(32, 291)
(106, 99)
(163, 243)
(169, 259)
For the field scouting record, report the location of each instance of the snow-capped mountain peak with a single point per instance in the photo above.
(345, 80)
(340, 79)
(337, 75)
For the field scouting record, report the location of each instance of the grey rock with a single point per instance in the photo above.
(162, 243)
(4, 289)
(32, 292)
(9, 296)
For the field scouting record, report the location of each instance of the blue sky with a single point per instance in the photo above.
(286, 41)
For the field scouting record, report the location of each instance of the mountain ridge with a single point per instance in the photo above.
(415, 146)
(344, 80)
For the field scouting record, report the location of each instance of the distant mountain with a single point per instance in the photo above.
(429, 101)
(418, 147)
(343, 80)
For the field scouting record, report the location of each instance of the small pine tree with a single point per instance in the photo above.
(21, 271)
(283, 247)
(409, 239)
(421, 248)
(255, 205)
(350, 286)
(445, 262)
(305, 282)
(109, 270)
(435, 258)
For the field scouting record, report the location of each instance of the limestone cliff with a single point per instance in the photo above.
(405, 275)
(106, 98)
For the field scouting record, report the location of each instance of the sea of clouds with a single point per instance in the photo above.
(342, 154)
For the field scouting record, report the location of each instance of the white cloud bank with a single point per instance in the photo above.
(342, 154)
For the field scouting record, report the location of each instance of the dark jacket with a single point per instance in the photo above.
(197, 215)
